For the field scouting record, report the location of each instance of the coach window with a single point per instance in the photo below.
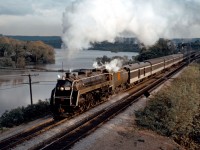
(138, 73)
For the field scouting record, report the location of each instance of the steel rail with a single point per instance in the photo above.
(71, 135)
(25, 135)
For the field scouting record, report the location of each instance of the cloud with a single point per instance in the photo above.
(16, 7)
(31, 17)
(30, 25)
(86, 21)
(27, 7)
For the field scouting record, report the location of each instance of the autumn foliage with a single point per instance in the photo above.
(15, 53)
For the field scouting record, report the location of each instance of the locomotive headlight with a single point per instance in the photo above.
(62, 88)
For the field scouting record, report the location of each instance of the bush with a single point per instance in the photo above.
(174, 111)
(6, 62)
(24, 114)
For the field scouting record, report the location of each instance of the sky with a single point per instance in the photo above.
(82, 22)
(89, 21)
(32, 17)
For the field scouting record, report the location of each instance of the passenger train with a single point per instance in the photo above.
(83, 88)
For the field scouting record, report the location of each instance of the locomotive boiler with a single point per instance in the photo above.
(79, 89)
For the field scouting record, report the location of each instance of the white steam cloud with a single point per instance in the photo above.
(86, 21)
(112, 66)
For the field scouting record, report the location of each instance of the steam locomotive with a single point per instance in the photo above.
(83, 88)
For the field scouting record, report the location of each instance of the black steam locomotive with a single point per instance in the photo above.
(83, 88)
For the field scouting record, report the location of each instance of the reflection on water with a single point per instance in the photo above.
(14, 88)
(11, 82)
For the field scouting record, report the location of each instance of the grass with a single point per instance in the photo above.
(175, 110)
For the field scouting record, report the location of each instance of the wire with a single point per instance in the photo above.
(43, 84)
(11, 84)
(11, 87)
(11, 75)
(24, 74)
(25, 83)
(47, 81)
(33, 70)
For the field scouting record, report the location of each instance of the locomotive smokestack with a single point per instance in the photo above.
(67, 74)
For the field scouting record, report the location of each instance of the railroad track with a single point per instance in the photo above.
(81, 129)
(34, 131)
(25, 135)
(68, 137)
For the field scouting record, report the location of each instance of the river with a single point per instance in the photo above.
(14, 87)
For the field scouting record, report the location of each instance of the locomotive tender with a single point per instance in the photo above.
(83, 88)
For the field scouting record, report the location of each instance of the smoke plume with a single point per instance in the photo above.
(87, 21)
(112, 66)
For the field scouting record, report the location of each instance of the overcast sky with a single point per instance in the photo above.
(174, 18)
(31, 17)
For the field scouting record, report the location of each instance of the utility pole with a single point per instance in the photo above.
(30, 85)
(189, 48)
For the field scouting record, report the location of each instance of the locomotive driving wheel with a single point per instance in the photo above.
(86, 102)
(89, 100)
(82, 106)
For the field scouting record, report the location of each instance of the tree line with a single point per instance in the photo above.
(115, 47)
(54, 41)
(164, 47)
(15, 53)
(161, 48)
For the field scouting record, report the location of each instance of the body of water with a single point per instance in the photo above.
(14, 87)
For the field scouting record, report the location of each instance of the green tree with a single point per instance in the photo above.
(161, 48)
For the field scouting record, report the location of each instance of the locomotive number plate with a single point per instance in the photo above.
(67, 88)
